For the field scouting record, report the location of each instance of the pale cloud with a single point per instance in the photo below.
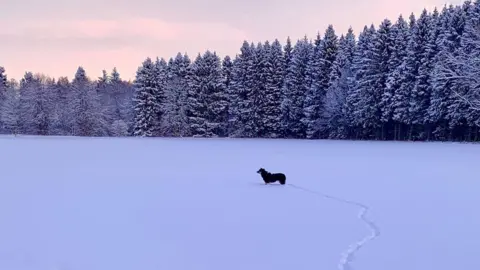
(129, 27)
(55, 37)
(53, 44)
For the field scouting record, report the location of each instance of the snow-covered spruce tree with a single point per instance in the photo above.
(146, 104)
(252, 101)
(380, 69)
(115, 102)
(123, 93)
(207, 99)
(233, 93)
(119, 91)
(50, 94)
(112, 90)
(161, 75)
(458, 109)
(294, 89)
(470, 45)
(175, 121)
(318, 73)
(227, 67)
(287, 53)
(60, 118)
(242, 80)
(27, 90)
(274, 69)
(119, 128)
(217, 96)
(314, 95)
(335, 113)
(9, 112)
(353, 95)
(287, 59)
(3, 83)
(257, 101)
(358, 98)
(265, 97)
(405, 83)
(85, 108)
(456, 76)
(401, 36)
(3, 92)
(424, 50)
(36, 104)
(441, 96)
(103, 88)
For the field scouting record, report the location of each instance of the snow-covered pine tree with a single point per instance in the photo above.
(85, 107)
(207, 100)
(335, 113)
(295, 87)
(401, 35)
(145, 102)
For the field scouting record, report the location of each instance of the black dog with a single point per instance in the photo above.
(272, 177)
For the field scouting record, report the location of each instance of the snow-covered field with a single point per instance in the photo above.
(198, 204)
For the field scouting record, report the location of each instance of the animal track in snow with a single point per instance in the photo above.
(349, 254)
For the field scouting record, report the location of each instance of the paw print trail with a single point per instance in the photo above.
(349, 254)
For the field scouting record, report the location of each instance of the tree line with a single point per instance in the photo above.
(412, 79)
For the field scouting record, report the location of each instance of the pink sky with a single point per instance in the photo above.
(55, 37)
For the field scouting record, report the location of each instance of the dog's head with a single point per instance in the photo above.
(261, 170)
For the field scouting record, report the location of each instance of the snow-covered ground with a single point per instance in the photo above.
(149, 204)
